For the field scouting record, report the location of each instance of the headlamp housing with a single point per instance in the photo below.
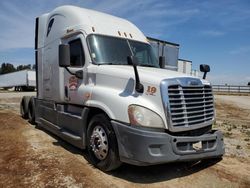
(141, 116)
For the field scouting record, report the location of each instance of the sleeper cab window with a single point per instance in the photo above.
(77, 58)
(50, 26)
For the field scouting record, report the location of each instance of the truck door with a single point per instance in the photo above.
(73, 86)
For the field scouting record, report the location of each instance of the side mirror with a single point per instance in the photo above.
(204, 68)
(162, 61)
(64, 55)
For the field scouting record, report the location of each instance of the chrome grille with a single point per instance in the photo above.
(191, 105)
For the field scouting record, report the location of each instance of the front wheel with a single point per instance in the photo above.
(102, 144)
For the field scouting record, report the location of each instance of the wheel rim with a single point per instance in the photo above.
(99, 143)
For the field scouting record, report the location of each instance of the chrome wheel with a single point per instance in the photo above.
(99, 142)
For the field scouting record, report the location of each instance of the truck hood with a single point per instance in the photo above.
(146, 74)
(115, 85)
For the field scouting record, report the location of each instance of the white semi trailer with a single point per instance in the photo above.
(167, 49)
(185, 66)
(100, 87)
(24, 80)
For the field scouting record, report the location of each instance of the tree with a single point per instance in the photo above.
(7, 68)
(23, 67)
(34, 67)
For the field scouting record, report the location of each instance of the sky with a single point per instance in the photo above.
(214, 32)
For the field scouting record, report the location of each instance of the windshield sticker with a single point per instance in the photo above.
(73, 83)
(151, 90)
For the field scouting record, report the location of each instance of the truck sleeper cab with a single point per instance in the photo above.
(100, 87)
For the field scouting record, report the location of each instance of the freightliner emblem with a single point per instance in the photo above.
(193, 82)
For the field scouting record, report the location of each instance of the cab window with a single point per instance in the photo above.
(76, 53)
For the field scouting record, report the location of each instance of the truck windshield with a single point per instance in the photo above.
(114, 51)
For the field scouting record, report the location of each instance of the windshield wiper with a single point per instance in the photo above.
(105, 64)
(112, 63)
(147, 65)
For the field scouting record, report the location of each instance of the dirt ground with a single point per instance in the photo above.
(31, 157)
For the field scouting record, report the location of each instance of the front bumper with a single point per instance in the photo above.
(142, 147)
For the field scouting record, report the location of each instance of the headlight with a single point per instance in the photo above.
(141, 116)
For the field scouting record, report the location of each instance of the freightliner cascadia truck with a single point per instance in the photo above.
(101, 87)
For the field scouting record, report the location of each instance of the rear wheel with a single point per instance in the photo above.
(102, 144)
(31, 111)
(24, 107)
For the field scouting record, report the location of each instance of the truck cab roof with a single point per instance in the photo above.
(69, 20)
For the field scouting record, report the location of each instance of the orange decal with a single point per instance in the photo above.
(87, 96)
(73, 83)
(151, 90)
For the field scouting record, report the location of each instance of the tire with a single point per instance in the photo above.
(24, 107)
(31, 111)
(100, 132)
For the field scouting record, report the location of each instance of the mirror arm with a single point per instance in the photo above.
(78, 75)
(69, 71)
(204, 75)
(138, 86)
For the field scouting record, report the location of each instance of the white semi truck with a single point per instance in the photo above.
(24, 80)
(101, 88)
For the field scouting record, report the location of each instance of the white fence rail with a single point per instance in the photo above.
(231, 89)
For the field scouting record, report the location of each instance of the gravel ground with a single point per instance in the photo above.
(10, 95)
(239, 101)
